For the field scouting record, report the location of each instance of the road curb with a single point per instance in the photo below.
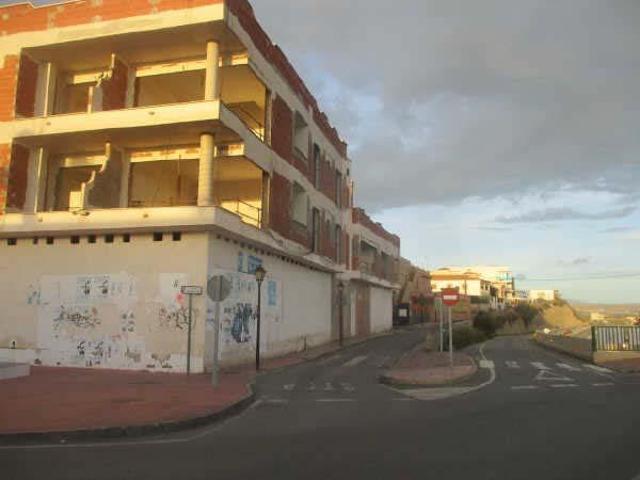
(387, 379)
(132, 431)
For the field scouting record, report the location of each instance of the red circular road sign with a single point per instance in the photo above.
(450, 296)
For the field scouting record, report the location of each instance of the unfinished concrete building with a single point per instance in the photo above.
(149, 145)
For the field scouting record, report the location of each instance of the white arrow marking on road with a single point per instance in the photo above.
(597, 368)
(540, 366)
(355, 361)
(566, 366)
(512, 364)
(548, 375)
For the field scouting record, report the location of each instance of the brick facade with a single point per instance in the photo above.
(282, 129)
(17, 177)
(26, 87)
(5, 158)
(8, 81)
(114, 90)
(279, 201)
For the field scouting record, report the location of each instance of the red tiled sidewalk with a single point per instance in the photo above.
(430, 368)
(55, 399)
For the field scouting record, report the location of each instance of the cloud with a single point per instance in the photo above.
(576, 262)
(616, 229)
(563, 213)
(443, 100)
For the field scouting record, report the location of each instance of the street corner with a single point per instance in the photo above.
(430, 369)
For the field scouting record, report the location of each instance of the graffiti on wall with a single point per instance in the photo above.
(238, 312)
(91, 320)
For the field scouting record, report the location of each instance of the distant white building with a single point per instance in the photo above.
(546, 295)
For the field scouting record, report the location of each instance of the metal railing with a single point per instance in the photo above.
(248, 213)
(615, 338)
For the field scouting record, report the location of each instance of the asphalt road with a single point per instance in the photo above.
(529, 414)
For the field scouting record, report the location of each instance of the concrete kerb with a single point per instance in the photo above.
(132, 431)
(558, 349)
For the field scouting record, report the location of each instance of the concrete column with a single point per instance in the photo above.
(45, 89)
(36, 178)
(212, 78)
(206, 173)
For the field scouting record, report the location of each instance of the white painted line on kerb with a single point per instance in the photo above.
(540, 366)
(512, 364)
(524, 387)
(486, 364)
(597, 368)
(355, 361)
(566, 366)
(335, 400)
(564, 385)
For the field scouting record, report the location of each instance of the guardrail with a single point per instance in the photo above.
(615, 338)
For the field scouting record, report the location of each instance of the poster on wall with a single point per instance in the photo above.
(238, 312)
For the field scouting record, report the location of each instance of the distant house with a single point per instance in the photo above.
(546, 295)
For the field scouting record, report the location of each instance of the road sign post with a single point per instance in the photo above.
(450, 297)
(190, 290)
(218, 288)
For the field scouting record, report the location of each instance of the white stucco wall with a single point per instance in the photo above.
(296, 304)
(107, 305)
(381, 309)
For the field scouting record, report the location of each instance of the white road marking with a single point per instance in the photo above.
(597, 368)
(563, 385)
(355, 361)
(566, 366)
(347, 387)
(429, 394)
(328, 387)
(405, 399)
(311, 387)
(540, 366)
(330, 359)
(486, 364)
(549, 376)
(604, 384)
(289, 387)
(512, 364)
(524, 387)
(335, 400)
(276, 401)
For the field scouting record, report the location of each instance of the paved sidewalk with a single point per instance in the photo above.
(430, 369)
(112, 402)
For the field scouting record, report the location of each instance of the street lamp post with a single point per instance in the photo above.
(341, 312)
(260, 274)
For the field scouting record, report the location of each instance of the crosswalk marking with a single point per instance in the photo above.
(563, 385)
(540, 366)
(566, 366)
(335, 400)
(355, 361)
(347, 387)
(512, 364)
(597, 368)
(289, 387)
(327, 387)
(604, 384)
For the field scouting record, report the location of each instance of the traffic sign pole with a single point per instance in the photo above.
(450, 338)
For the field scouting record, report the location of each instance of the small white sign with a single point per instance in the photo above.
(191, 290)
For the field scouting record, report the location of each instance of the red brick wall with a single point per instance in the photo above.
(282, 129)
(5, 156)
(17, 177)
(114, 90)
(8, 78)
(26, 89)
(280, 200)
(25, 18)
(360, 216)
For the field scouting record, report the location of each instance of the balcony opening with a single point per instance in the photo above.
(167, 88)
(238, 188)
(368, 258)
(300, 137)
(66, 176)
(163, 183)
(75, 91)
(245, 95)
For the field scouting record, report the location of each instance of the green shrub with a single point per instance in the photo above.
(463, 337)
(489, 322)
